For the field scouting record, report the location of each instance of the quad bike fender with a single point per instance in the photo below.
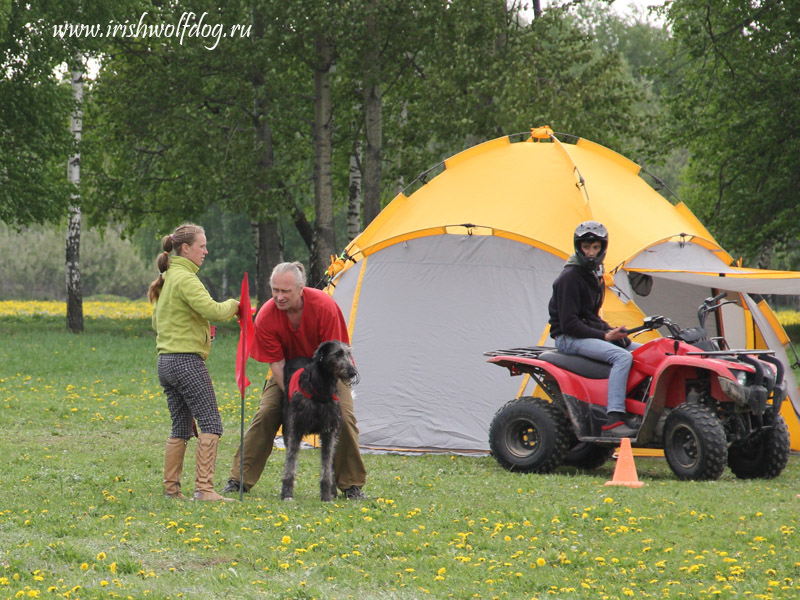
(570, 386)
(669, 389)
(676, 370)
(568, 383)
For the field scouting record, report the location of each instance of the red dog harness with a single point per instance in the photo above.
(294, 387)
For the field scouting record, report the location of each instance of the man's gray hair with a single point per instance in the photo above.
(295, 268)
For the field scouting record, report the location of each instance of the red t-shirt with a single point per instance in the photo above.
(321, 321)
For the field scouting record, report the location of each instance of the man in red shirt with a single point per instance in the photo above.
(294, 323)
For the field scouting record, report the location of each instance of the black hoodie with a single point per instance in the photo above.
(575, 305)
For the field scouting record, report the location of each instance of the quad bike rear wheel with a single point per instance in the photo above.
(764, 455)
(695, 445)
(530, 435)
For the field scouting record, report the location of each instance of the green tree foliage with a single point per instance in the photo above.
(735, 102)
(36, 101)
(486, 73)
(37, 41)
(33, 264)
(34, 116)
(230, 252)
(178, 125)
(170, 127)
(173, 128)
(642, 44)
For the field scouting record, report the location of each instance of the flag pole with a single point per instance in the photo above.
(241, 433)
(245, 340)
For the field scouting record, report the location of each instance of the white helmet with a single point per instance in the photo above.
(590, 231)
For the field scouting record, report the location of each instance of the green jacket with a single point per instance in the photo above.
(183, 310)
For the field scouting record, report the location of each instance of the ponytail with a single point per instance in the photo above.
(162, 263)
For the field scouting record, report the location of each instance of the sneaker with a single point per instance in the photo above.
(354, 493)
(619, 429)
(232, 486)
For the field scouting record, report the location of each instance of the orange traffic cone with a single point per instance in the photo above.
(625, 471)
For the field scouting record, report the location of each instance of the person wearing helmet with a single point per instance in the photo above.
(577, 328)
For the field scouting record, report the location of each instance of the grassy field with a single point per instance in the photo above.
(82, 513)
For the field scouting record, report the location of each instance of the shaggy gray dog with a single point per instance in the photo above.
(310, 405)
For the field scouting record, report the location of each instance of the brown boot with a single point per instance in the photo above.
(206, 463)
(173, 466)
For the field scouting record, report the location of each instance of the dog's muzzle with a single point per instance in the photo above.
(352, 377)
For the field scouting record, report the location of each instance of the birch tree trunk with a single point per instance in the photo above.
(324, 238)
(354, 198)
(73, 243)
(373, 119)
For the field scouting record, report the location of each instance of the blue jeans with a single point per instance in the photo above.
(620, 360)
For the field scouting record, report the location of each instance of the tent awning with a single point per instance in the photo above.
(698, 262)
(750, 281)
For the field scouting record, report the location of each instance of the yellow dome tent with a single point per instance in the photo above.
(465, 264)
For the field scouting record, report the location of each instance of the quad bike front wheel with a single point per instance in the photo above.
(695, 445)
(530, 435)
(763, 455)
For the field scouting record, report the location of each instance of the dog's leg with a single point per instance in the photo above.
(327, 483)
(292, 443)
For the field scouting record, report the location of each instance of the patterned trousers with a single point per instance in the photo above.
(190, 394)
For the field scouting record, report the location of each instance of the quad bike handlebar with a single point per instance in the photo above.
(709, 305)
(656, 322)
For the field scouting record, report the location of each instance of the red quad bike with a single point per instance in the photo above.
(701, 402)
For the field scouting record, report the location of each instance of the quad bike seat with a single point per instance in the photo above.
(580, 365)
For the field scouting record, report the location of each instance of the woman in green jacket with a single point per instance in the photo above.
(181, 315)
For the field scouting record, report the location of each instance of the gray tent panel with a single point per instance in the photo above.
(675, 299)
(678, 255)
(428, 309)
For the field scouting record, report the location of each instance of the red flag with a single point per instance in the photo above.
(245, 336)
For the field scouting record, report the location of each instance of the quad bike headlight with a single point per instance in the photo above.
(741, 377)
